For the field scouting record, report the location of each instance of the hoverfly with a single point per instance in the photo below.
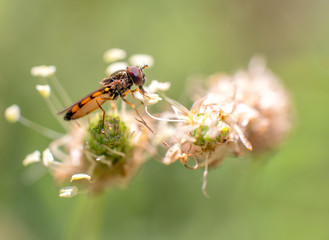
(117, 84)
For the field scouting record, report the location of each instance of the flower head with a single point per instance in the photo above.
(250, 110)
(93, 153)
(109, 158)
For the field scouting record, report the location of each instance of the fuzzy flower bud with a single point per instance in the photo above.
(13, 113)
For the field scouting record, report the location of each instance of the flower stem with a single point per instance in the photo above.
(60, 90)
(87, 218)
(40, 129)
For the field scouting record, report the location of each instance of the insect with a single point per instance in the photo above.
(117, 84)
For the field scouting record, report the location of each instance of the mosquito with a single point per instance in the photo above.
(116, 85)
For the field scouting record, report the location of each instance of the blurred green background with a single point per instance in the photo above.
(286, 196)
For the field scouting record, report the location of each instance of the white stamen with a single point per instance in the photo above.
(114, 67)
(147, 98)
(32, 158)
(68, 192)
(47, 158)
(80, 176)
(43, 71)
(13, 113)
(141, 60)
(44, 90)
(155, 86)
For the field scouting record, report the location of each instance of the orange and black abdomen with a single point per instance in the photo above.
(89, 103)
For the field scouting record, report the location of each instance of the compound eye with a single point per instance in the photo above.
(136, 75)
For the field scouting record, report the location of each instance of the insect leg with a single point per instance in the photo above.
(142, 120)
(141, 92)
(102, 131)
(112, 104)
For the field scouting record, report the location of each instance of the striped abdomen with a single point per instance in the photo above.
(88, 103)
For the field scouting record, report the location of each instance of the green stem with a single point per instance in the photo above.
(86, 221)
(40, 129)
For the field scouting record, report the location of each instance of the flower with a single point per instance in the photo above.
(114, 54)
(44, 90)
(247, 112)
(261, 105)
(43, 71)
(147, 98)
(13, 113)
(250, 110)
(156, 86)
(105, 153)
(109, 159)
(114, 67)
(141, 60)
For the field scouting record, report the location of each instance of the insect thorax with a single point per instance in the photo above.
(118, 82)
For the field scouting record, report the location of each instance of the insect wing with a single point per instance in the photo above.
(87, 104)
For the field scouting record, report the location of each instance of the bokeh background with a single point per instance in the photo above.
(284, 195)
